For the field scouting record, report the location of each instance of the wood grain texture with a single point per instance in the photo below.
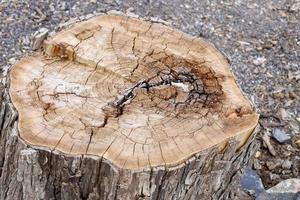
(137, 93)
(121, 108)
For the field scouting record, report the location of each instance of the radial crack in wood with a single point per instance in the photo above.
(112, 83)
(120, 108)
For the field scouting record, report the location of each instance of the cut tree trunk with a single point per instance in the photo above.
(120, 108)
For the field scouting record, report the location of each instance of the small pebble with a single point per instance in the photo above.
(294, 127)
(295, 7)
(273, 164)
(257, 154)
(283, 114)
(297, 142)
(286, 164)
(259, 61)
(286, 173)
(295, 171)
(279, 94)
(12, 60)
(38, 38)
(274, 177)
(280, 136)
(256, 164)
(251, 182)
(266, 139)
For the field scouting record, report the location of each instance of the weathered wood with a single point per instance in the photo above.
(120, 108)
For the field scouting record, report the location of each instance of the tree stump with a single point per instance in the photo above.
(120, 108)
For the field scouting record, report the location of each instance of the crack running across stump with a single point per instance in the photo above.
(135, 93)
(183, 78)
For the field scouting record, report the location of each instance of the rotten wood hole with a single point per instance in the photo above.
(136, 93)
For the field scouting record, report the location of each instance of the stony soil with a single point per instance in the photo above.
(261, 39)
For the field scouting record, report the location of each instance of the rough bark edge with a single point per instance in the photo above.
(128, 13)
(34, 173)
(39, 173)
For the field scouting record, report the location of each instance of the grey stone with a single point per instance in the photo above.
(38, 38)
(296, 6)
(274, 176)
(286, 172)
(286, 164)
(280, 136)
(251, 182)
(287, 186)
(278, 196)
(256, 164)
(259, 61)
(283, 114)
(272, 164)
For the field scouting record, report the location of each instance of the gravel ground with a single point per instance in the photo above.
(260, 37)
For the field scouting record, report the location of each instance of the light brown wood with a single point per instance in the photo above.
(122, 108)
(137, 93)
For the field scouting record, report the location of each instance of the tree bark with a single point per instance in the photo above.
(31, 167)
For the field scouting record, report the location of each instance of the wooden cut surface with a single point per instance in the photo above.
(137, 93)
